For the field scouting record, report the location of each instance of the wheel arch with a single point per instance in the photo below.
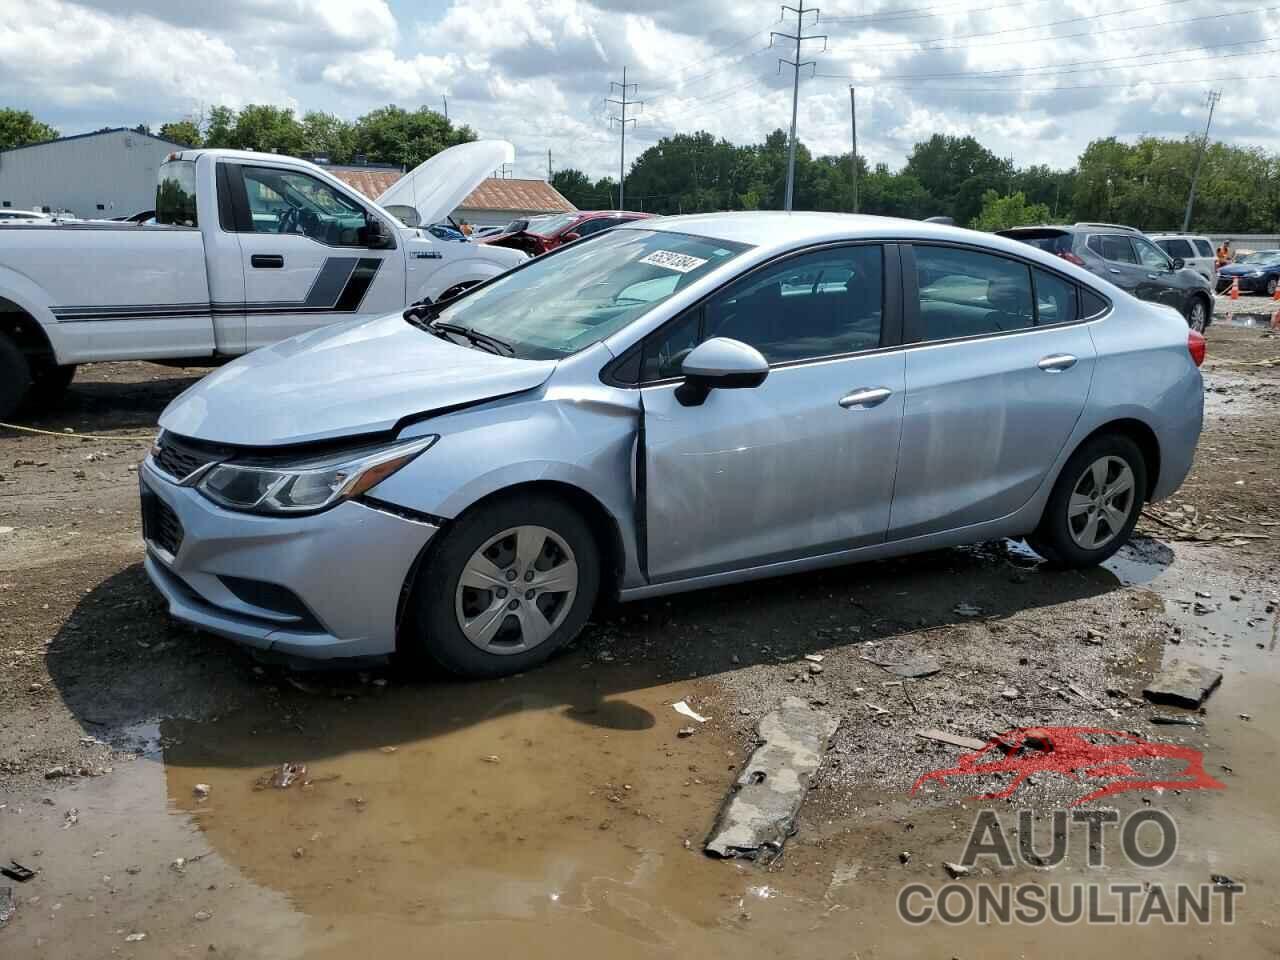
(20, 318)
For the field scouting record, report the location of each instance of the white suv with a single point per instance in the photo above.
(1196, 252)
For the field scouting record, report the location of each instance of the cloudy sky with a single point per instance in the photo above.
(1032, 79)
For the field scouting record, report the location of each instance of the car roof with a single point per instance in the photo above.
(775, 231)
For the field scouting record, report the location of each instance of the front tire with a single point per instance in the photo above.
(1095, 503)
(512, 582)
(15, 378)
(49, 384)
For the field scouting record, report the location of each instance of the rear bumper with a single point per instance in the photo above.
(345, 569)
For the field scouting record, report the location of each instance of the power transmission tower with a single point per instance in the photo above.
(853, 117)
(1214, 97)
(622, 122)
(799, 37)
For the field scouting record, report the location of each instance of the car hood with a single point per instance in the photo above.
(343, 380)
(438, 186)
(1244, 269)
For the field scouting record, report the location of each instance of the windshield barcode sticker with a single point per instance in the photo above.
(679, 262)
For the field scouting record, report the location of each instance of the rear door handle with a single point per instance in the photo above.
(866, 397)
(1057, 362)
(267, 261)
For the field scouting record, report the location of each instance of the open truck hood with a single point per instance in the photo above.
(436, 187)
(344, 380)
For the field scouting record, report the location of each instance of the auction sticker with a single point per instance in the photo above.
(679, 262)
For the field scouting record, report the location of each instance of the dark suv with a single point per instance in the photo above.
(1130, 261)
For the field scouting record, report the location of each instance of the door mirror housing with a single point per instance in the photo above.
(571, 236)
(376, 235)
(720, 364)
(1178, 263)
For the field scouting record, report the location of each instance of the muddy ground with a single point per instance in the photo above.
(559, 812)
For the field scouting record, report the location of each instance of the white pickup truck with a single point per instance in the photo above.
(247, 249)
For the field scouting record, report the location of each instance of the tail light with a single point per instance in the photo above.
(1070, 257)
(1195, 347)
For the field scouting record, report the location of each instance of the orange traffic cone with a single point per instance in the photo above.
(1235, 288)
(1277, 295)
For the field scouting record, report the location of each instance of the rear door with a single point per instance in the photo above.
(998, 369)
(306, 255)
(1158, 281)
(801, 465)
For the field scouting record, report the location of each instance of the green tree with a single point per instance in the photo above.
(1001, 213)
(394, 135)
(329, 135)
(268, 129)
(575, 186)
(957, 171)
(221, 123)
(19, 128)
(182, 131)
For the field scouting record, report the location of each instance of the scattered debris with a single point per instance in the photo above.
(203, 915)
(956, 870)
(1182, 684)
(8, 905)
(1222, 880)
(200, 791)
(964, 609)
(1246, 716)
(941, 736)
(70, 818)
(815, 669)
(759, 813)
(135, 938)
(58, 773)
(16, 871)
(284, 777)
(492, 758)
(686, 732)
(1093, 637)
(1178, 720)
(814, 657)
(684, 709)
(904, 856)
(1011, 693)
(913, 668)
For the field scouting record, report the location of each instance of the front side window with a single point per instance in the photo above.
(594, 226)
(176, 194)
(965, 293)
(1151, 256)
(559, 304)
(1115, 249)
(281, 201)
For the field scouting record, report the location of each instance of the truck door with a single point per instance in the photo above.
(309, 256)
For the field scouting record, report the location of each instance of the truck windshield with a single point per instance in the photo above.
(176, 194)
(566, 301)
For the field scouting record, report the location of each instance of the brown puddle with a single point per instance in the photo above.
(534, 816)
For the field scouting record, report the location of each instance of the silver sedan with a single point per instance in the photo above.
(678, 403)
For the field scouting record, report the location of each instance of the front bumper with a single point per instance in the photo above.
(345, 569)
(1247, 284)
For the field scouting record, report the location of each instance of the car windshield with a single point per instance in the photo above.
(1262, 256)
(546, 226)
(566, 301)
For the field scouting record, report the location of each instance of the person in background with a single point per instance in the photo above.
(465, 228)
(1223, 256)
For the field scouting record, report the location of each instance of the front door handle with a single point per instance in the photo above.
(1057, 362)
(1113, 270)
(267, 261)
(1153, 276)
(866, 397)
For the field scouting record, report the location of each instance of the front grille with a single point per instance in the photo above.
(180, 457)
(160, 525)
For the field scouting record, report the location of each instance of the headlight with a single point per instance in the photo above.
(307, 485)
(1256, 273)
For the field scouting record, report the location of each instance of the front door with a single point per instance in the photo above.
(801, 465)
(1158, 281)
(306, 259)
(997, 376)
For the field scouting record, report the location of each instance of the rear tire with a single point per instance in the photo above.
(48, 385)
(499, 621)
(1094, 504)
(1199, 314)
(15, 378)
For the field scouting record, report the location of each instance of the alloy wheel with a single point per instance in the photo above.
(1198, 316)
(516, 590)
(1101, 503)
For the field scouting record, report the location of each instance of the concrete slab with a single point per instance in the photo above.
(759, 813)
(1182, 684)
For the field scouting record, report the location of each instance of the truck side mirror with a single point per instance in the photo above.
(376, 236)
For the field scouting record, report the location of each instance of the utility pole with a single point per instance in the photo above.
(1214, 97)
(446, 107)
(853, 116)
(622, 122)
(799, 37)
(548, 164)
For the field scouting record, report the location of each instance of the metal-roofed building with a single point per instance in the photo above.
(110, 173)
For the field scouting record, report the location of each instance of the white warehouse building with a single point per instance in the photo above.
(111, 173)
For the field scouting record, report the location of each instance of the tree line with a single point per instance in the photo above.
(1144, 184)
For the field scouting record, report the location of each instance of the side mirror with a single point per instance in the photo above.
(571, 236)
(1178, 263)
(376, 236)
(720, 364)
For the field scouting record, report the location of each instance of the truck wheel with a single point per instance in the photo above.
(15, 378)
(48, 384)
(509, 584)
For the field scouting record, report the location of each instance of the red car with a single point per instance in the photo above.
(540, 234)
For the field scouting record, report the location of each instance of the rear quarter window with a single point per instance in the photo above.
(176, 194)
(1204, 247)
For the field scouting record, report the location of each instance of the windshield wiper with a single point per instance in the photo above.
(492, 344)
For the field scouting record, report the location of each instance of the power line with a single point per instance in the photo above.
(923, 13)
(799, 37)
(1130, 85)
(622, 122)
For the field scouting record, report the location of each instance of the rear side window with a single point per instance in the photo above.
(1050, 241)
(176, 194)
(1203, 247)
(1056, 299)
(964, 293)
(1176, 247)
(1113, 248)
(1091, 304)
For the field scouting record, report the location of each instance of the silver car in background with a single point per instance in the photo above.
(679, 403)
